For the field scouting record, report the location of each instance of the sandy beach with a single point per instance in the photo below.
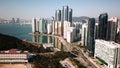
(13, 66)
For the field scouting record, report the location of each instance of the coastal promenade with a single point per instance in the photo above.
(60, 38)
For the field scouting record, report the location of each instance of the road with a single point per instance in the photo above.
(74, 49)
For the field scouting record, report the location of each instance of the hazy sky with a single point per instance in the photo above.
(46, 8)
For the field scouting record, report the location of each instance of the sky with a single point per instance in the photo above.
(27, 9)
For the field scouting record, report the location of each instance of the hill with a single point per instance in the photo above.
(10, 42)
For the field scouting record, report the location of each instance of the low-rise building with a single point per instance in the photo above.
(48, 46)
(67, 63)
(109, 52)
(13, 56)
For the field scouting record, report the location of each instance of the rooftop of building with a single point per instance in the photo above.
(69, 62)
(13, 51)
(111, 44)
(113, 19)
(47, 45)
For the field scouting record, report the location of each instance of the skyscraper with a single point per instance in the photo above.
(55, 15)
(42, 25)
(18, 20)
(61, 17)
(58, 15)
(53, 25)
(91, 41)
(96, 30)
(49, 28)
(112, 28)
(70, 15)
(103, 20)
(70, 34)
(60, 28)
(34, 25)
(65, 13)
(56, 28)
(13, 20)
(66, 24)
(37, 25)
(84, 34)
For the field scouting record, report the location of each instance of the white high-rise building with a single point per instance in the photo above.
(60, 28)
(118, 28)
(71, 34)
(42, 25)
(84, 34)
(108, 51)
(65, 24)
(33, 25)
(53, 25)
(49, 28)
(37, 25)
(56, 28)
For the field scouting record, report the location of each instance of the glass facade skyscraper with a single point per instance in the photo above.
(42, 26)
(62, 15)
(91, 40)
(58, 15)
(66, 14)
(112, 28)
(70, 15)
(103, 20)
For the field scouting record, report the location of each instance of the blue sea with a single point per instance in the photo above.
(17, 30)
(22, 32)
